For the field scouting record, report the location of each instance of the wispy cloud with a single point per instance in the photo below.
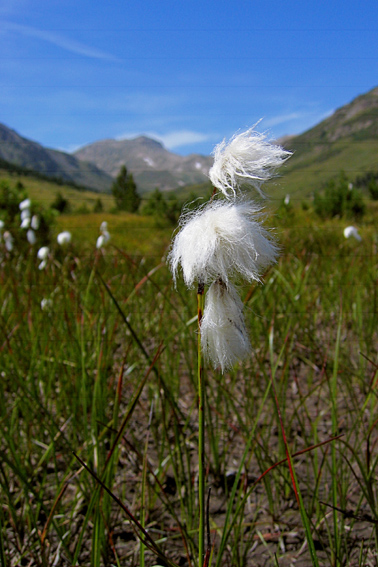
(173, 139)
(59, 40)
(296, 122)
(283, 118)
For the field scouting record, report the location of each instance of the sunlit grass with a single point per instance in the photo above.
(108, 371)
(135, 234)
(45, 192)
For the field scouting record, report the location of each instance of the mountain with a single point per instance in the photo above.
(150, 163)
(52, 163)
(347, 140)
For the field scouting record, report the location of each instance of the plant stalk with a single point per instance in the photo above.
(201, 434)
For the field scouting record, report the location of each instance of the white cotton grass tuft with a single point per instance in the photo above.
(31, 237)
(43, 254)
(222, 240)
(64, 238)
(247, 159)
(8, 240)
(104, 237)
(35, 222)
(224, 337)
(46, 304)
(25, 214)
(25, 223)
(25, 204)
(352, 231)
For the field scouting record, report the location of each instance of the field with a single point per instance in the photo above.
(98, 404)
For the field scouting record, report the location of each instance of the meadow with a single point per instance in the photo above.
(98, 404)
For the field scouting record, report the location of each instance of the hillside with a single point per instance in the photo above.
(151, 164)
(347, 140)
(52, 163)
(44, 191)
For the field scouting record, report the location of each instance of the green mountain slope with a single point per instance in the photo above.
(347, 140)
(30, 155)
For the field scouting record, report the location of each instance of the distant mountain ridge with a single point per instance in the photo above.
(28, 154)
(151, 164)
(347, 140)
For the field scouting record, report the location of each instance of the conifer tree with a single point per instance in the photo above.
(125, 191)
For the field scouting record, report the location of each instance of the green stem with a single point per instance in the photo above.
(201, 434)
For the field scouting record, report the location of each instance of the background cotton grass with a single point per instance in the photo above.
(64, 237)
(351, 231)
(8, 240)
(25, 222)
(43, 254)
(104, 237)
(31, 237)
(25, 205)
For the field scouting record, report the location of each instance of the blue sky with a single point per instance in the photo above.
(186, 72)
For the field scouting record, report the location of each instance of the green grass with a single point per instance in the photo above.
(303, 174)
(109, 372)
(135, 234)
(45, 192)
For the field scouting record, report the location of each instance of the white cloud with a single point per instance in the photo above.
(283, 118)
(59, 40)
(295, 122)
(173, 139)
(298, 117)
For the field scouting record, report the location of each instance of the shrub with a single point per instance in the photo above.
(373, 188)
(61, 204)
(339, 198)
(98, 207)
(163, 209)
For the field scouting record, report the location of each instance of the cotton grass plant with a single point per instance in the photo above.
(216, 244)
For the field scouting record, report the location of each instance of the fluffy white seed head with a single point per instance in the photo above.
(35, 222)
(103, 226)
(25, 204)
(25, 222)
(222, 240)
(46, 304)
(64, 238)
(30, 235)
(25, 214)
(100, 241)
(103, 239)
(352, 231)
(224, 337)
(43, 253)
(8, 240)
(247, 159)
